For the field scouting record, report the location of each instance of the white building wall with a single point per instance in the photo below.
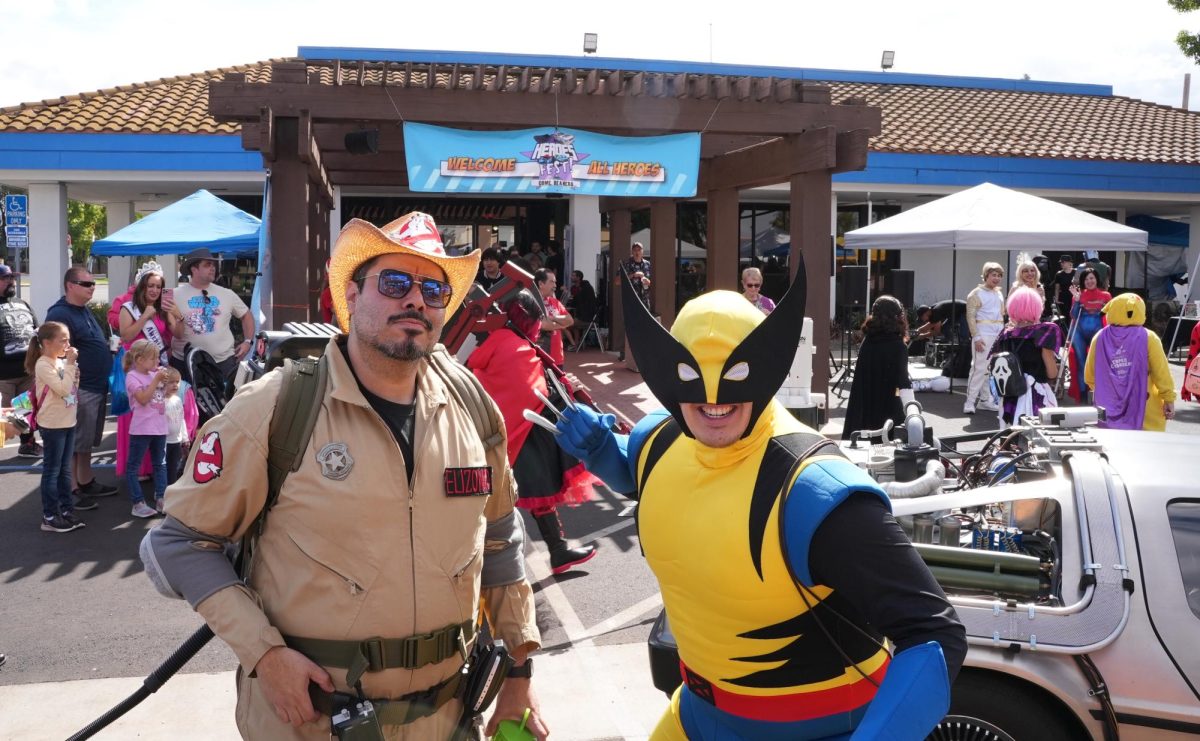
(121, 268)
(49, 256)
(585, 235)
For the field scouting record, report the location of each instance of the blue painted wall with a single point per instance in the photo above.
(158, 152)
(1024, 172)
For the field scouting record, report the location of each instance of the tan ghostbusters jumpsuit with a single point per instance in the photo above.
(350, 551)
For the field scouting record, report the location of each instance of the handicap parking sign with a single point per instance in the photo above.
(15, 205)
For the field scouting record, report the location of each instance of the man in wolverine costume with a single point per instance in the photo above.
(780, 564)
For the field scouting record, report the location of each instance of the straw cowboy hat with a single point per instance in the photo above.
(412, 234)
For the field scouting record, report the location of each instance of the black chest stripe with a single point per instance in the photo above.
(666, 435)
(784, 454)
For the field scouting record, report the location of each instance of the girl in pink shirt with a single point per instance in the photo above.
(148, 426)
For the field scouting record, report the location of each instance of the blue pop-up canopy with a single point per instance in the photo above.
(200, 220)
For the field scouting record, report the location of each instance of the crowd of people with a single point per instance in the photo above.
(1014, 349)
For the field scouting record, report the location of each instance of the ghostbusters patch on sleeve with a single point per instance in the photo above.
(208, 459)
(475, 481)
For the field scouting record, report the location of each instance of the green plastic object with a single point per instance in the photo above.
(510, 730)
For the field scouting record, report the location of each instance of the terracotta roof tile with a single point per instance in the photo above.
(916, 119)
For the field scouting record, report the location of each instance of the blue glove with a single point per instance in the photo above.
(913, 697)
(587, 435)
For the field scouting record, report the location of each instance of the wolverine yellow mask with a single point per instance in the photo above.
(721, 349)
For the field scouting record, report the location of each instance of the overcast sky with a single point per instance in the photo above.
(50, 48)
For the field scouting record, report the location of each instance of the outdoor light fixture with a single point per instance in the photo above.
(363, 142)
(889, 58)
(589, 43)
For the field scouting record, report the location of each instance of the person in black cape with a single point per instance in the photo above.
(881, 383)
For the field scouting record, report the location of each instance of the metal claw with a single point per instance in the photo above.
(540, 421)
(562, 391)
(549, 404)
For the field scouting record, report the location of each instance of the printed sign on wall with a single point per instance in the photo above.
(550, 160)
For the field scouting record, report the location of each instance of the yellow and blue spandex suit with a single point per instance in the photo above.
(780, 565)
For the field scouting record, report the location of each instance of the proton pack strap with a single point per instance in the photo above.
(470, 394)
(401, 711)
(292, 423)
(377, 654)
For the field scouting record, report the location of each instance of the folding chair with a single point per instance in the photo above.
(592, 328)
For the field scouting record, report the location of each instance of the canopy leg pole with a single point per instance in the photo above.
(1182, 306)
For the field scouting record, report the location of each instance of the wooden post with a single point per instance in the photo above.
(722, 239)
(663, 225)
(289, 227)
(620, 231)
(811, 228)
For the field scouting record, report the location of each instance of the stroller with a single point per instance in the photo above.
(208, 383)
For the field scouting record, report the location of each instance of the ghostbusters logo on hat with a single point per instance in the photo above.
(421, 233)
(209, 459)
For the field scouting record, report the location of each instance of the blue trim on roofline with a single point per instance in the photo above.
(705, 68)
(1024, 172)
(54, 150)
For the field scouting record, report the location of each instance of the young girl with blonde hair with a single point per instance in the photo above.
(51, 361)
(148, 427)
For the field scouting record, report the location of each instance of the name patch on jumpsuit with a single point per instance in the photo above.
(468, 482)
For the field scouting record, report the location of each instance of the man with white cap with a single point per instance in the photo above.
(368, 546)
(204, 309)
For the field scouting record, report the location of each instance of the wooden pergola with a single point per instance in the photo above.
(755, 132)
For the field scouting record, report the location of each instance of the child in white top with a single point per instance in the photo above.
(181, 420)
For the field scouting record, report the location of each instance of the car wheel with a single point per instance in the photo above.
(985, 706)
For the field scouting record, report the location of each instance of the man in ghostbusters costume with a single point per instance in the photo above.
(373, 562)
(780, 564)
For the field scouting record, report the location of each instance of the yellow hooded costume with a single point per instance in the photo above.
(1128, 310)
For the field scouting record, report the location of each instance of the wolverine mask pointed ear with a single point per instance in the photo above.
(667, 367)
(757, 367)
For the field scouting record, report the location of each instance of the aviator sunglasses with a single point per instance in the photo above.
(397, 284)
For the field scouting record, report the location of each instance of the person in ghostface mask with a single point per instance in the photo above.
(781, 567)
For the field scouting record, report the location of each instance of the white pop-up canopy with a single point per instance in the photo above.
(988, 217)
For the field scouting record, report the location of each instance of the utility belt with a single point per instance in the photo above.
(358, 718)
(376, 654)
(397, 712)
(797, 706)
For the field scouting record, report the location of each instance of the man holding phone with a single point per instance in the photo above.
(204, 309)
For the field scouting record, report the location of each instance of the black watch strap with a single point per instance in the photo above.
(524, 671)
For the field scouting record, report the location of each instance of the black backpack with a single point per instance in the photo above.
(1006, 373)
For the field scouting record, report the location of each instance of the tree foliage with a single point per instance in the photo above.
(1189, 43)
(86, 222)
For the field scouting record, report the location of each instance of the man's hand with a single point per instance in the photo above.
(515, 696)
(242, 349)
(284, 675)
(979, 345)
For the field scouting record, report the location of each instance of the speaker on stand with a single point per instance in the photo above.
(852, 308)
(899, 283)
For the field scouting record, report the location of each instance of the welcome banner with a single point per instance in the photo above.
(550, 160)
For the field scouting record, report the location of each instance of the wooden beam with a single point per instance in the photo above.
(722, 239)
(663, 227)
(773, 162)
(289, 227)
(712, 145)
(459, 107)
(266, 133)
(358, 177)
(811, 224)
(620, 229)
(852, 149)
(382, 162)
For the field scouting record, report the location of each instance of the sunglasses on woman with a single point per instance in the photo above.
(397, 284)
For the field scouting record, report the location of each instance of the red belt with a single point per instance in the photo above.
(785, 708)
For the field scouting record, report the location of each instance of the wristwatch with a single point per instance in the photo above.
(524, 671)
